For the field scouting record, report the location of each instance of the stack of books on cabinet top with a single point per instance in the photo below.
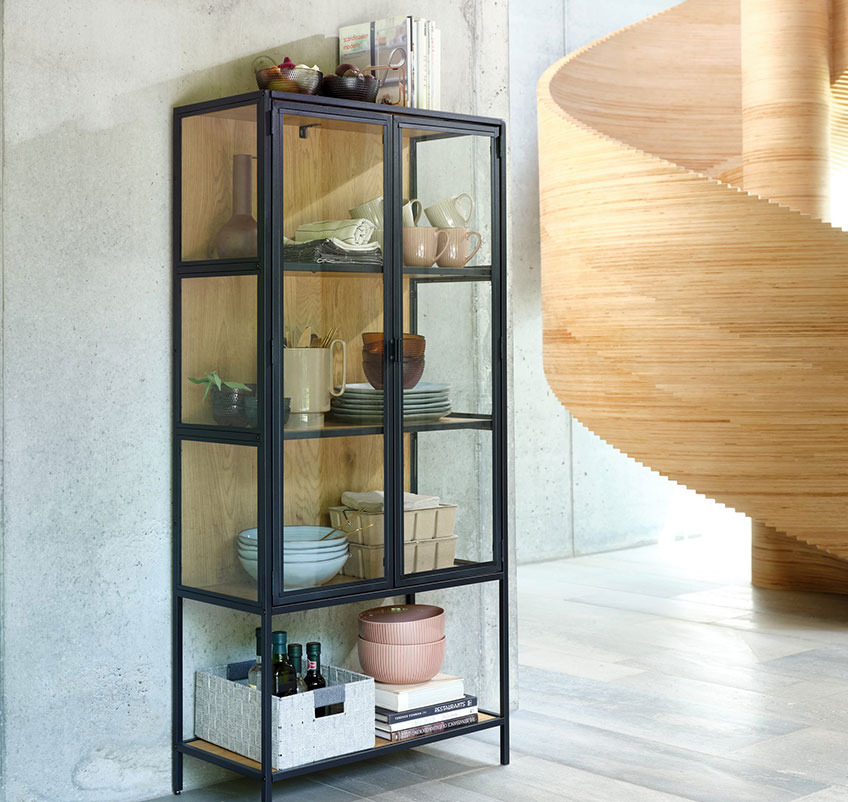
(411, 711)
(410, 42)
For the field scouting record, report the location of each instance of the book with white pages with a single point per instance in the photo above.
(442, 688)
(382, 726)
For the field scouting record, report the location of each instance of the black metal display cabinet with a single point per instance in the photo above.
(281, 325)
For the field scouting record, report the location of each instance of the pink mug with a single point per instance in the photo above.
(456, 253)
(423, 245)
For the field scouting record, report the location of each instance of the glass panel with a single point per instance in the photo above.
(450, 178)
(332, 190)
(219, 337)
(318, 472)
(219, 184)
(460, 528)
(219, 500)
(455, 321)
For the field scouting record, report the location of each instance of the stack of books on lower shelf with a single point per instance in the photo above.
(411, 711)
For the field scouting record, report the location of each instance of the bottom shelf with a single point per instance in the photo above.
(244, 765)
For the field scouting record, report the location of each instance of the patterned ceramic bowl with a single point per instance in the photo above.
(403, 624)
(401, 664)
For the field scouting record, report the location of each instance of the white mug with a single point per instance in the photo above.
(370, 210)
(448, 213)
(308, 379)
(411, 218)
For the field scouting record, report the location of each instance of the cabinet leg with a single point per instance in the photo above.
(177, 772)
(505, 743)
(267, 789)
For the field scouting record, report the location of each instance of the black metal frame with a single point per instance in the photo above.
(269, 440)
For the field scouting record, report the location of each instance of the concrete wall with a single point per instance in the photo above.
(574, 494)
(88, 90)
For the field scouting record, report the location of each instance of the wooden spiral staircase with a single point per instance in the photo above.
(695, 298)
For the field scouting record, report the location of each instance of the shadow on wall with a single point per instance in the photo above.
(235, 77)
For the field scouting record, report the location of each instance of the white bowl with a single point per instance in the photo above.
(309, 574)
(333, 545)
(318, 554)
(302, 575)
(297, 538)
(299, 558)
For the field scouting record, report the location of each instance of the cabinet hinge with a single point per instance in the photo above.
(269, 122)
(273, 349)
(395, 351)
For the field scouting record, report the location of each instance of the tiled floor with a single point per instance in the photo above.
(650, 675)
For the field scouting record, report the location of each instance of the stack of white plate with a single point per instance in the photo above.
(362, 404)
(309, 557)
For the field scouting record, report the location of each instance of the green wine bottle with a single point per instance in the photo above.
(282, 671)
(254, 676)
(313, 677)
(296, 659)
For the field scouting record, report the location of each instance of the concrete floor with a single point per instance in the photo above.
(650, 675)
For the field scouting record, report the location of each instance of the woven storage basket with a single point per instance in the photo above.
(228, 713)
(417, 524)
(423, 555)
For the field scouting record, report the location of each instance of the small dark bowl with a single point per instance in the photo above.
(372, 365)
(228, 406)
(350, 87)
(300, 80)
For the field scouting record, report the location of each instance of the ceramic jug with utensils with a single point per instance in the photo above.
(308, 381)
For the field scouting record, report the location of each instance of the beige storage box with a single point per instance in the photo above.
(437, 522)
(424, 555)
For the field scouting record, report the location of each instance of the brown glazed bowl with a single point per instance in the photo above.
(372, 365)
(350, 87)
(403, 624)
(405, 664)
(300, 80)
(413, 344)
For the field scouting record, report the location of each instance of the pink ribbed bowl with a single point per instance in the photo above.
(401, 664)
(403, 624)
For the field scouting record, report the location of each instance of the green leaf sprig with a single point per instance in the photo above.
(213, 378)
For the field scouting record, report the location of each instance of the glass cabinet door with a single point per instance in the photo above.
(333, 357)
(448, 229)
(218, 155)
(219, 535)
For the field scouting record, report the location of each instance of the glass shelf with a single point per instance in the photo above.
(478, 273)
(332, 429)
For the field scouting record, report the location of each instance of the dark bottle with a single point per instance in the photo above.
(254, 676)
(296, 659)
(282, 671)
(313, 678)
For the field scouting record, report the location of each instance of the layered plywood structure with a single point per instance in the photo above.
(698, 326)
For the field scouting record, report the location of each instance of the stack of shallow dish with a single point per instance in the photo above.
(362, 404)
(403, 644)
(310, 557)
